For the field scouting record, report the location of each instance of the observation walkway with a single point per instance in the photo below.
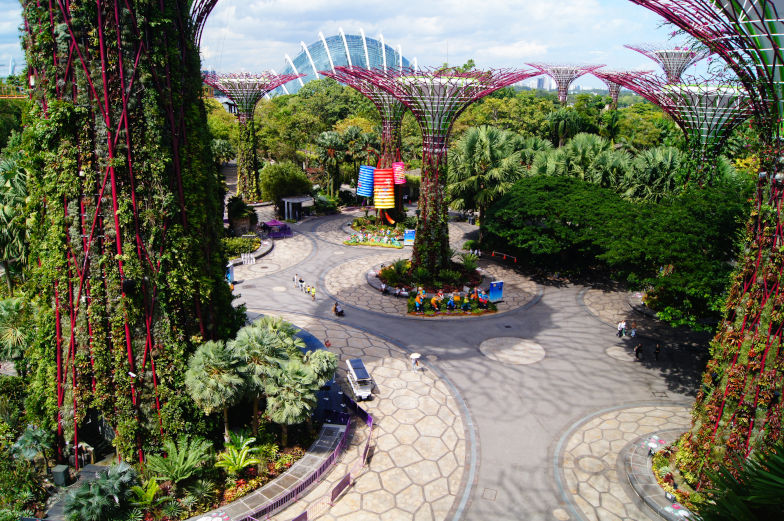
(12, 92)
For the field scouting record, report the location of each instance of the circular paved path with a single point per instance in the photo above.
(514, 415)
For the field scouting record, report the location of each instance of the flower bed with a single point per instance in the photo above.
(369, 233)
(473, 308)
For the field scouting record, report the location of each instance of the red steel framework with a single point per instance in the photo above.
(436, 97)
(388, 106)
(608, 76)
(104, 69)
(707, 110)
(673, 59)
(739, 407)
(564, 75)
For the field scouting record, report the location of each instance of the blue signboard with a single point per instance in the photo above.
(408, 237)
(496, 293)
(230, 273)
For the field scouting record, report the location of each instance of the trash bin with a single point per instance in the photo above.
(60, 475)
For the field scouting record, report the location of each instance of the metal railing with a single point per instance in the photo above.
(327, 500)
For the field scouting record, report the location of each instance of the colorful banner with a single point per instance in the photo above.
(365, 183)
(384, 188)
(408, 237)
(400, 173)
(496, 293)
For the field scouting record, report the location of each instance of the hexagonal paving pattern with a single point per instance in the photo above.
(419, 456)
(589, 460)
(286, 253)
(512, 350)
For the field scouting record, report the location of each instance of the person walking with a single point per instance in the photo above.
(296, 280)
(623, 327)
(657, 351)
(313, 293)
(620, 329)
(301, 284)
(638, 352)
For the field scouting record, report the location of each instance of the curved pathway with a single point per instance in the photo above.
(516, 415)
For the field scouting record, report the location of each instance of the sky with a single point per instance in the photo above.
(254, 35)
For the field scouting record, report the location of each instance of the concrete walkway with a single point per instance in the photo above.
(513, 416)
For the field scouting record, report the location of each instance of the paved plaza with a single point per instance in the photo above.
(516, 415)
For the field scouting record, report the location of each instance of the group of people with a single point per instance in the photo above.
(455, 300)
(622, 331)
(299, 282)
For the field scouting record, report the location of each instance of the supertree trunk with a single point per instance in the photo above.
(738, 407)
(431, 249)
(247, 162)
(124, 216)
(390, 142)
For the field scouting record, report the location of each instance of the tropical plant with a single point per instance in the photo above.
(655, 173)
(482, 167)
(213, 379)
(13, 193)
(235, 459)
(563, 124)
(203, 490)
(291, 395)
(609, 167)
(34, 441)
(184, 459)
(145, 496)
(16, 331)
(283, 179)
(106, 498)
(750, 490)
(260, 350)
(332, 152)
(322, 363)
(285, 332)
(581, 151)
(470, 261)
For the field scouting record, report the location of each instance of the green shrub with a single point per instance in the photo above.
(471, 245)
(448, 276)
(237, 209)
(235, 246)
(421, 275)
(281, 180)
(325, 204)
(470, 261)
(105, 498)
(410, 223)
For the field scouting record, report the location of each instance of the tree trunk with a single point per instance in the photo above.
(7, 269)
(431, 246)
(284, 435)
(481, 221)
(226, 436)
(255, 416)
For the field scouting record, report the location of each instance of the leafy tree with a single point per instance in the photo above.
(590, 107)
(482, 167)
(750, 490)
(291, 395)
(610, 126)
(10, 118)
(284, 179)
(213, 379)
(183, 461)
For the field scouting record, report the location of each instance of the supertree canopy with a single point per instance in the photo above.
(125, 217)
(673, 59)
(706, 110)
(388, 106)
(436, 97)
(564, 75)
(609, 76)
(246, 90)
(738, 408)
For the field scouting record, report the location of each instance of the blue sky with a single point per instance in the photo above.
(252, 35)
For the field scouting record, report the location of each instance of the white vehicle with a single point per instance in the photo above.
(359, 379)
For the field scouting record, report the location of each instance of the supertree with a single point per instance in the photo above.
(391, 111)
(246, 90)
(706, 110)
(608, 76)
(563, 75)
(125, 216)
(436, 97)
(738, 408)
(673, 59)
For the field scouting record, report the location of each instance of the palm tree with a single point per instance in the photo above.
(549, 163)
(748, 491)
(331, 153)
(609, 167)
(213, 379)
(580, 152)
(261, 352)
(482, 167)
(291, 395)
(564, 123)
(13, 193)
(15, 331)
(655, 173)
(323, 365)
(105, 498)
(529, 148)
(610, 125)
(285, 332)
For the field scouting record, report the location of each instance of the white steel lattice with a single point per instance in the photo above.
(564, 75)
(673, 59)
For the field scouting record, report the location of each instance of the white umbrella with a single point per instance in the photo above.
(414, 356)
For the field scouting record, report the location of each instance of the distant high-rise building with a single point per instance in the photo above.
(540, 83)
(11, 67)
